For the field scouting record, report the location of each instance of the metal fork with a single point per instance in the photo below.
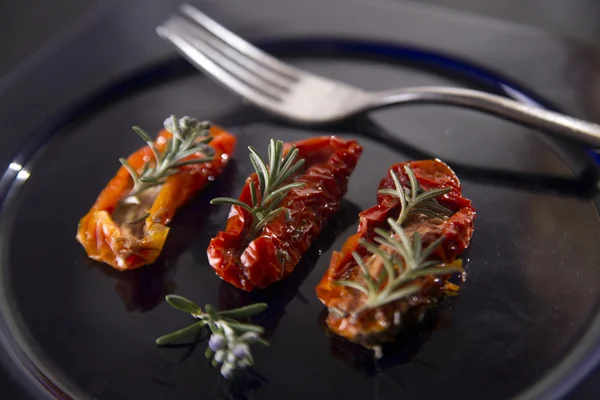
(305, 98)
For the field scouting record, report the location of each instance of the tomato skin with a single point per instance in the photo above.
(457, 230)
(250, 263)
(104, 240)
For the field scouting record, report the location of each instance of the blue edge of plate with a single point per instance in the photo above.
(493, 82)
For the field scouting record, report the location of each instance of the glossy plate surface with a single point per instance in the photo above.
(86, 331)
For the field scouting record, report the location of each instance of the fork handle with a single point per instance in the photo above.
(568, 127)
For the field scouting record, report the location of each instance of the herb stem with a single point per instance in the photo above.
(403, 260)
(230, 340)
(271, 190)
(189, 136)
(181, 334)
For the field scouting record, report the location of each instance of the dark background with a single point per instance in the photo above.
(27, 25)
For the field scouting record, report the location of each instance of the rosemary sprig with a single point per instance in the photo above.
(229, 343)
(415, 199)
(403, 262)
(189, 137)
(266, 199)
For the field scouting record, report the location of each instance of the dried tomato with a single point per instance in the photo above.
(257, 261)
(125, 245)
(381, 323)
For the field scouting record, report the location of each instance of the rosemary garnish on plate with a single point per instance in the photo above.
(189, 137)
(266, 199)
(230, 340)
(415, 199)
(403, 260)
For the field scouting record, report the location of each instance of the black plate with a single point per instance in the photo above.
(525, 324)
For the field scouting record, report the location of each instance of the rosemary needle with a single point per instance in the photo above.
(271, 190)
(189, 136)
(403, 260)
(230, 340)
(415, 198)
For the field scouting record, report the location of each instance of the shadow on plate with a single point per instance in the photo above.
(145, 288)
(584, 185)
(246, 381)
(280, 294)
(403, 350)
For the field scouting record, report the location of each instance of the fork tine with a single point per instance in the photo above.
(196, 36)
(192, 32)
(182, 42)
(240, 44)
(242, 60)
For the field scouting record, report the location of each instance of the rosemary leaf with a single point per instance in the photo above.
(291, 171)
(371, 285)
(268, 218)
(435, 271)
(388, 192)
(398, 294)
(416, 242)
(230, 340)
(145, 168)
(413, 182)
(282, 190)
(190, 137)
(211, 312)
(187, 153)
(245, 311)
(275, 161)
(246, 327)
(234, 202)
(183, 304)
(427, 264)
(432, 194)
(253, 194)
(272, 186)
(165, 157)
(181, 334)
(209, 353)
(353, 284)
(426, 211)
(429, 250)
(289, 158)
(396, 181)
(128, 166)
(389, 269)
(145, 137)
(190, 162)
(393, 245)
(261, 169)
(263, 342)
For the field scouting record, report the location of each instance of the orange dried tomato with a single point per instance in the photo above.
(123, 247)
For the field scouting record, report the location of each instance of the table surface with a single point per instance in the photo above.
(32, 24)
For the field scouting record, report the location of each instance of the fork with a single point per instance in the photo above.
(301, 97)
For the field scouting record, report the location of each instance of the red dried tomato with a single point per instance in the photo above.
(251, 262)
(457, 229)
